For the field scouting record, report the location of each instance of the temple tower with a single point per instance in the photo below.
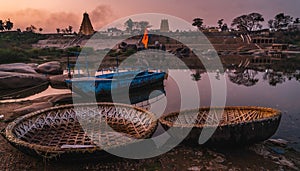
(164, 25)
(86, 27)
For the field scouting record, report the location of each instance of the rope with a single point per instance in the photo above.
(24, 90)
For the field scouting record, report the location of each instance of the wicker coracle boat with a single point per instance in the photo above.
(237, 125)
(58, 133)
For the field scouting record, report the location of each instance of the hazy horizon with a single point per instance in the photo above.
(53, 14)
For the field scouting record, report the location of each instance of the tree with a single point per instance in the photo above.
(271, 24)
(198, 22)
(8, 25)
(241, 23)
(143, 25)
(280, 21)
(31, 28)
(129, 25)
(70, 29)
(2, 25)
(58, 30)
(220, 23)
(297, 20)
(224, 27)
(255, 20)
(40, 29)
(248, 22)
(196, 76)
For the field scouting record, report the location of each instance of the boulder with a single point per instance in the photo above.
(53, 68)
(14, 80)
(58, 81)
(18, 67)
(33, 65)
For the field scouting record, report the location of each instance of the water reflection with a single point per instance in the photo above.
(244, 77)
(274, 77)
(196, 75)
(275, 86)
(138, 97)
(275, 73)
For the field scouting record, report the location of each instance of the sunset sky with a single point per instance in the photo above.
(51, 14)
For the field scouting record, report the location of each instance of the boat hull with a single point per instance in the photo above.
(231, 134)
(102, 86)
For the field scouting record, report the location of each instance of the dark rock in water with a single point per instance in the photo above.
(18, 67)
(14, 80)
(278, 142)
(53, 67)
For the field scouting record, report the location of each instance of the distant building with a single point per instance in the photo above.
(262, 40)
(164, 25)
(213, 29)
(86, 27)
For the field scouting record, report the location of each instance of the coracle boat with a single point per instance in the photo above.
(237, 125)
(118, 81)
(58, 133)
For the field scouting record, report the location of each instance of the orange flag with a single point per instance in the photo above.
(145, 38)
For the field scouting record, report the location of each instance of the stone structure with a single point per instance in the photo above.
(86, 27)
(164, 25)
(263, 40)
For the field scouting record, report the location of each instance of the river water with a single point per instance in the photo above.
(244, 87)
(253, 88)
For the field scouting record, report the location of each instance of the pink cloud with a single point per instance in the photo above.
(49, 21)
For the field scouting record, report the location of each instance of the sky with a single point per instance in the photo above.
(52, 14)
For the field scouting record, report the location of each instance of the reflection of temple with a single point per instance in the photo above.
(86, 27)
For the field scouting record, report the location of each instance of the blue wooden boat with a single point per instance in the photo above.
(118, 81)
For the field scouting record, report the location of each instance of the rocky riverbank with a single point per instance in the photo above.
(21, 75)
